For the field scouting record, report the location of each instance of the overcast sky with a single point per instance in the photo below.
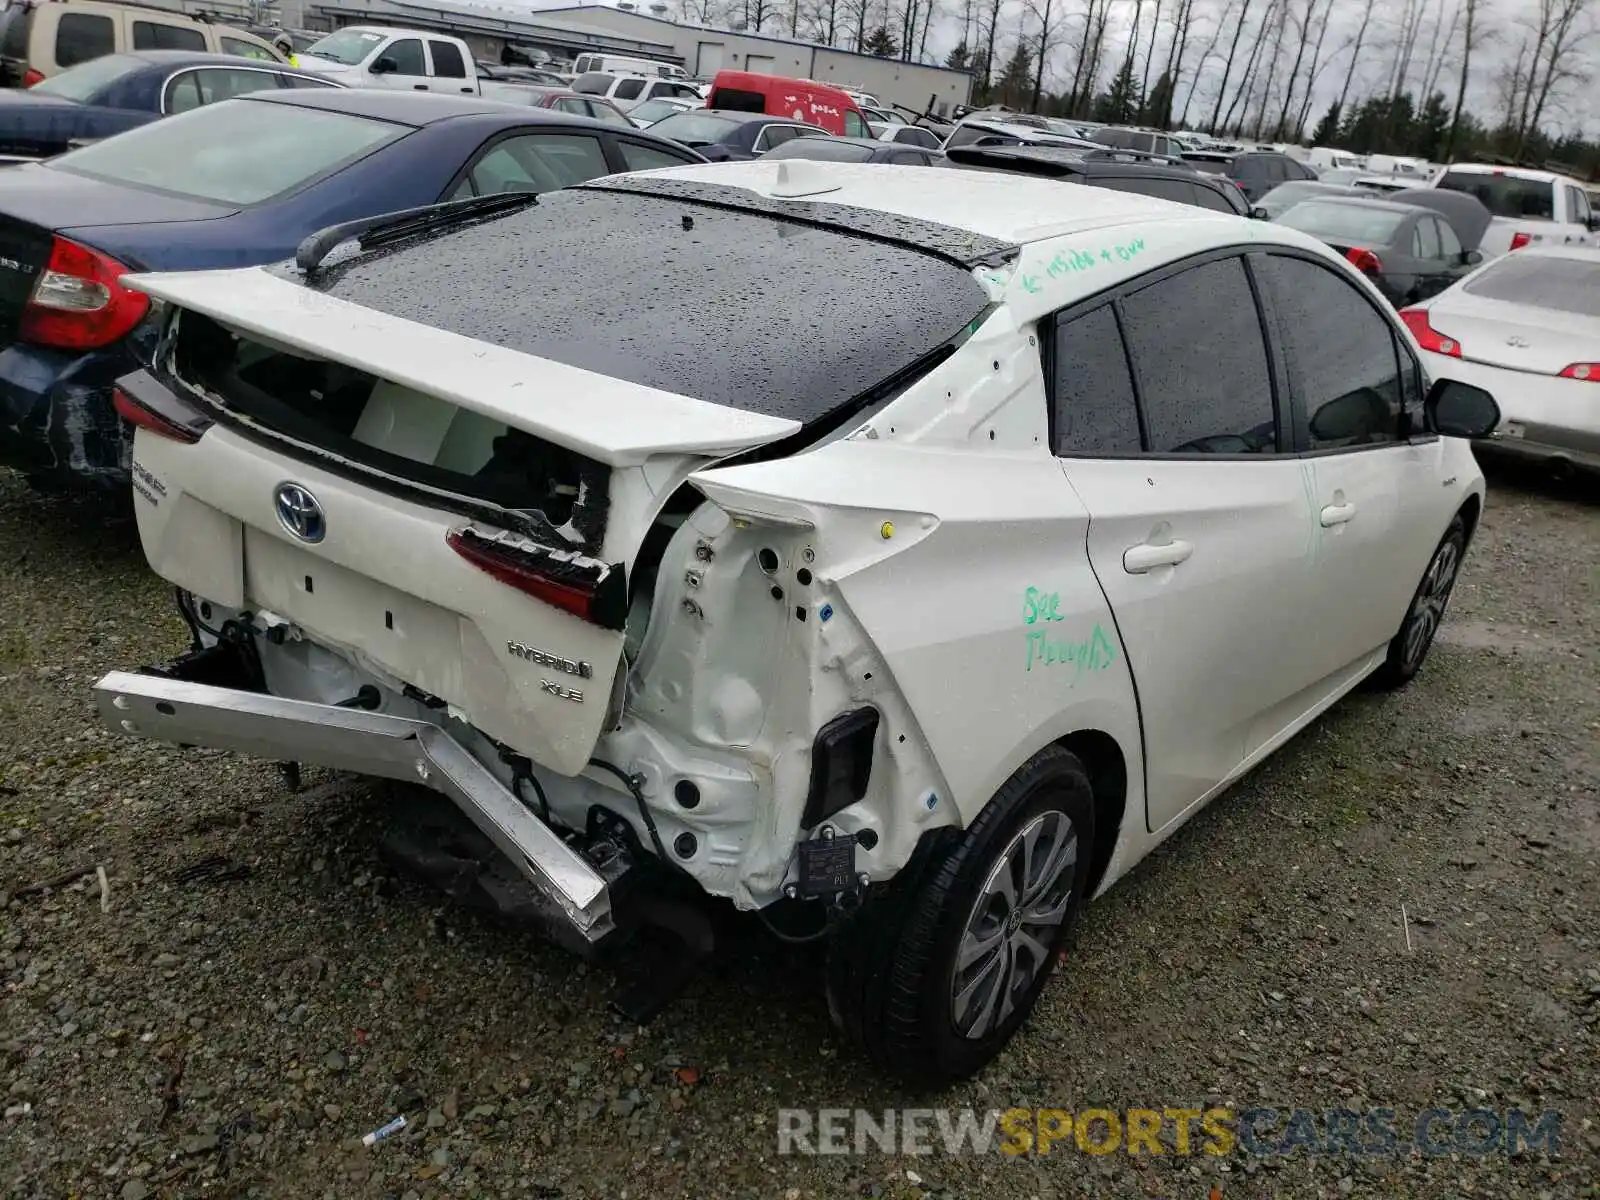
(1577, 111)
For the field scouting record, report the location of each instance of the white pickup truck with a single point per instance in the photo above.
(1530, 207)
(383, 57)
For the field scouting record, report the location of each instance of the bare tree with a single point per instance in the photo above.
(1177, 48)
(1411, 18)
(1046, 13)
(1473, 35)
(1281, 21)
(1149, 57)
(1314, 70)
(1227, 67)
(856, 14)
(1561, 31)
(700, 12)
(1444, 36)
(1303, 20)
(1355, 51)
(1090, 53)
(988, 41)
(1247, 83)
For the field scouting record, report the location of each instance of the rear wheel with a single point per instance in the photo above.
(936, 973)
(1410, 646)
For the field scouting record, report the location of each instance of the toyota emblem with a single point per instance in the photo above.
(299, 512)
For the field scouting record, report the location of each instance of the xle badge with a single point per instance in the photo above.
(561, 690)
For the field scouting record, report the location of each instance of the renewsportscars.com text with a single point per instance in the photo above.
(1220, 1132)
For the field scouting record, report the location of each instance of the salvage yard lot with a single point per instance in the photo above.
(257, 990)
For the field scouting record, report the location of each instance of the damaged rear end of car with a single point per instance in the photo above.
(433, 524)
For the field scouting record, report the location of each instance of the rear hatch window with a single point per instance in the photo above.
(1563, 284)
(234, 152)
(776, 329)
(1505, 195)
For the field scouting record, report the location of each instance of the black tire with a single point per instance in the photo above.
(1409, 647)
(892, 970)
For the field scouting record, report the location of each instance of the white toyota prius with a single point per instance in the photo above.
(955, 541)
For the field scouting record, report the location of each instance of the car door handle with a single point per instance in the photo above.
(1137, 560)
(419, 87)
(1337, 514)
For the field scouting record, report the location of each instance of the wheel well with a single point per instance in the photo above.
(1470, 512)
(1108, 778)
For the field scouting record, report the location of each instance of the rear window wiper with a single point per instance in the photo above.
(384, 228)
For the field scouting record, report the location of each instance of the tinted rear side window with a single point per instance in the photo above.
(83, 36)
(628, 89)
(1505, 195)
(1092, 398)
(1208, 315)
(778, 307)
(447, 60)
(153, 35)
(1340, 353)
(1161, 189)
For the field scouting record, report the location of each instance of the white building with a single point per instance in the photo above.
(568, 31)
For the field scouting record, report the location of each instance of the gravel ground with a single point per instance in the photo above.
(234, 1028)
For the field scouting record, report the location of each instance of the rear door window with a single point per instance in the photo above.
(1204, 314)
(534, 162)
(1425, 239)
(447, 61)
(641, 157)
(1343, 371)
(774, 135)
(84, 36)
(1093, 408)
(158, 35)
(1505, 195)
(246, 49)
(15, 24)
(1449, 244)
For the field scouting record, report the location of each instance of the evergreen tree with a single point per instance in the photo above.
(1327, 131)
(880, 44)
(1015, 84)
(1118, 105)
(1158, 107)
(959, 59)
(1431, 128)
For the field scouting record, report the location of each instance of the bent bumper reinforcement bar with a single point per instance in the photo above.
(370, 743)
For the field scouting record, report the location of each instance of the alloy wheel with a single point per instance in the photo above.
(1427, 611)
(1010, 932)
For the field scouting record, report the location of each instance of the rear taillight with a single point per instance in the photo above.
(1429, 338)
(134, 413)
(32, 76)
(145, 403)
(583, 587)
(1520, 239)
(1364, 260)
(1589, 372)
(78, 302)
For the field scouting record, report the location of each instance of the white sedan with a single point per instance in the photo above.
(910, 640)
(1526, 326)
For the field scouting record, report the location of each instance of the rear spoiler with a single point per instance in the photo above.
(609, 420)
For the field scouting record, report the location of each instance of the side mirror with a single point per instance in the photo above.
(385, 66)
(1471, 258)
(1458, 409)
(1260, 214)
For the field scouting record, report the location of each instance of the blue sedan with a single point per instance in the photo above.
(233, 184)
(119, 91)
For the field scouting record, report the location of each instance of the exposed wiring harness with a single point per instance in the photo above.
(632, 785)
(191, 618)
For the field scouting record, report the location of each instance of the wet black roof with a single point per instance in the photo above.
(788, 317)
